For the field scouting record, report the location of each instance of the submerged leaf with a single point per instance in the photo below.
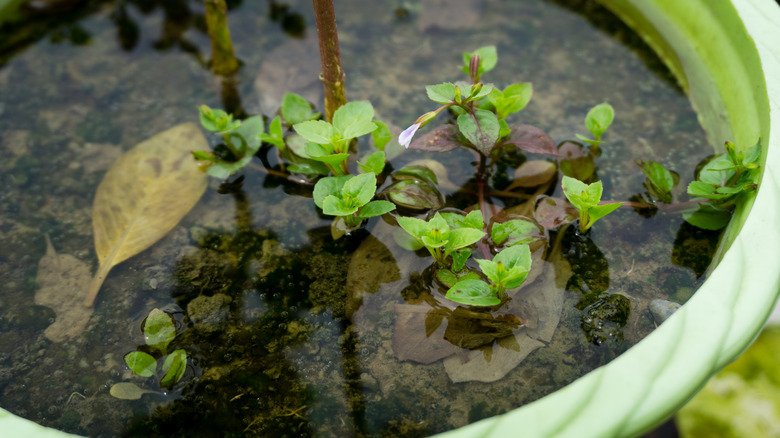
(128, 391)
(62, 280)
(533, 173)
(531, 139)
(144, 195)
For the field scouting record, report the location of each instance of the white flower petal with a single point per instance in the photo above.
(405, 138)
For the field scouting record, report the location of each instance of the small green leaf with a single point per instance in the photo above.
(317, 131)
(599, 211)
(373, 163)
(708, 217)
(353, 119)
(335, 206)
(481, 129)
(515, 231)
(449, 278)
(275, 135)
(441, 93)
(173, 367)
(513, 99)
(381, 135)
(330, 185)
(459, 259)
(463, 237)
(704, 190)
(490, 269)
(599, 118)
(141, 363)
(473, 292)
(128, 391)
(474, 220)
(318, 152)
(296, 109)
(159, 330)
(488, 58)
(376, 208)
(574, 190)
(421, 173)
(661, 180)
(361, 187)
(415, 227)
(483, 90)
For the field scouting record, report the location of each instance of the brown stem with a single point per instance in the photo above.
(223, 59)
(332, 75)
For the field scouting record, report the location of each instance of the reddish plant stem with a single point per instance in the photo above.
(332, 75)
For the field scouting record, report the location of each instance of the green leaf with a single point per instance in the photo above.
(661, 180)
(704, 190)
(599, 118)
(128, 391)
(599, 211)
(481, 129)
(483, 90)
(488, 58)
(275, 135)
(708, 217)
(474, 220)
(317, 152)
(463, 237)
(361, 187)
(441, 93)
(459, 259)
(515, 231)
(381, 135)
(159, 330)
(310, 168)
(141, 363)
(415, 227)
(335, 206)
(490, 269)
(353, 119)
(414, 195)
(449, 278)
(376, 208)
(173, 367)
(418, 172)
(296, 109)
(717, 171)
(250, 131)
(317, 131)
(223, 169)
(473, 292)
(373, 163)
(330, 185)
(518, 256)
(576, 192)
(513, 99)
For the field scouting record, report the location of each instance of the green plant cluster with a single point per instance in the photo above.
(353, 190)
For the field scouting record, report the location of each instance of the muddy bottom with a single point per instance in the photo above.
(288, 332)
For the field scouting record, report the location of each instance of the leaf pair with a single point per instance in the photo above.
(598, 119)
(439, 237)
(508, 269)
(349, 197)
(585, 198)
(329, 143)
(159, 331)
(242, 139)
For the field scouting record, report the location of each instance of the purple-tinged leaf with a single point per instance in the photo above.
(440, 139)
(414, 195)
(481, 128)
(531, 139)
(575, 162)
(551, 213)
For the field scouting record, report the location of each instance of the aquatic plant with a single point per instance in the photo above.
(159, 330)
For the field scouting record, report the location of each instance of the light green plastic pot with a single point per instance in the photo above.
(726, 55)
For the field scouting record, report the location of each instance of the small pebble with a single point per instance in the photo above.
(662, 309)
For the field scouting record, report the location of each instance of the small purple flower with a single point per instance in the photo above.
(406, 137)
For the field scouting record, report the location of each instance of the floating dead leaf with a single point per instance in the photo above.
(475, 365)
(129, 391)
(372, 265)
(533, 173)
(412, 338)
(467, 328)
(62, 280)
(541, 301)
(144, 195)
